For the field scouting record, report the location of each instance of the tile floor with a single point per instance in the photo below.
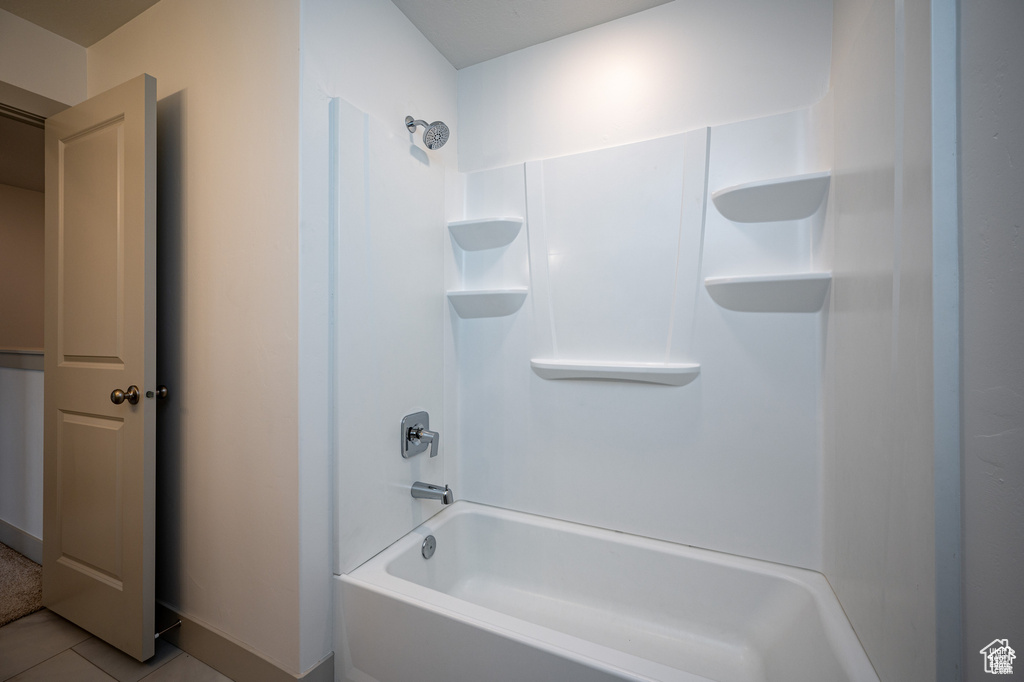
(44, 646)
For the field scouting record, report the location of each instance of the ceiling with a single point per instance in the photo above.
(80, 21)
(466, 32)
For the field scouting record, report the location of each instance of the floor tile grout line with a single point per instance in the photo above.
(46, 660)
(89, 636)
(22, 672)
(162, 663)
(174, 657)
(102, 671)
(71, 648)
(151, 672)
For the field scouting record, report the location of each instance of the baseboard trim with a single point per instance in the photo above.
(21, 542)
(224, 653)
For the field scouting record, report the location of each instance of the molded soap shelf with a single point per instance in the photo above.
(488, 233)
(792, 198)
(793, 293)
(487, 303)
(671, 374)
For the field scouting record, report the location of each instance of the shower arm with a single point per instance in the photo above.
(411, 124)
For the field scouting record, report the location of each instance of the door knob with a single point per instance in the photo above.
(117, 396)
(161, 392)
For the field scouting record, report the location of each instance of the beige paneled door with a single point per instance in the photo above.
(100, 336)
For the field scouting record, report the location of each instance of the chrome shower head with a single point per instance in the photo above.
(436, 133)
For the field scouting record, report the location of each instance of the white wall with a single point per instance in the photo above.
(227, 117)
(879, 477)
(371, 284)
(41, 62)
(992, 143)
(21, 449)
(673, 68)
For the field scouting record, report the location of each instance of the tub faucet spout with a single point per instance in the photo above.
(428, 491)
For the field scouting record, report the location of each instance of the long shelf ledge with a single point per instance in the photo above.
(487, 303)
(671, 374)
(487, 233)
(793, 198)
(791, 293)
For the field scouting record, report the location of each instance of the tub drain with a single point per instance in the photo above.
(428, 546)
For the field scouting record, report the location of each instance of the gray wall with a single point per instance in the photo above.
(992, 187)
(879, 455)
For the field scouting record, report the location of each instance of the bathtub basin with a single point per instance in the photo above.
(512, 596)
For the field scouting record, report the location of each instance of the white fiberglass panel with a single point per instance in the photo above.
(387, 333)
(612, 227)
(729, 461)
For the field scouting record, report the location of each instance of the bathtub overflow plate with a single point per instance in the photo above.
(428, 546)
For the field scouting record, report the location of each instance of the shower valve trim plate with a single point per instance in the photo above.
(416, 435)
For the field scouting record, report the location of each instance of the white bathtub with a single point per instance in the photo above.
(510, 596)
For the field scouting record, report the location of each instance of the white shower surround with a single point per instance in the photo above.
(519, 456)
(615, 262)
(511, 596)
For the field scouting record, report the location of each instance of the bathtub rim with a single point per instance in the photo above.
(373, 575)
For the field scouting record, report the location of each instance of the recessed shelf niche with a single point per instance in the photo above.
(790, 198)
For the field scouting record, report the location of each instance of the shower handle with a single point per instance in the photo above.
(417, 435)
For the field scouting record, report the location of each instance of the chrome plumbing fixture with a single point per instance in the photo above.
(417, 436)
(435, 135)
(429, 491)
(428, 546)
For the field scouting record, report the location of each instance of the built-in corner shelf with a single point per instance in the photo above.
(487, 303)
(793, 198)
(488, 233)
(792, 293)
(671, 374)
